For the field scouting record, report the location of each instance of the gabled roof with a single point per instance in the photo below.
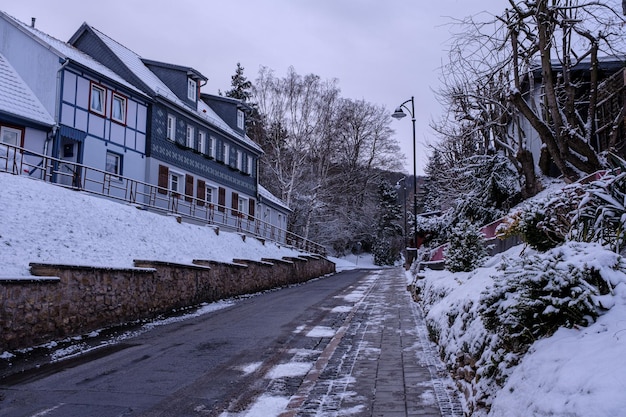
(66, 51)
(138, 66)
(190, 71)
(266, 195)
(17, 99)
(207, 113)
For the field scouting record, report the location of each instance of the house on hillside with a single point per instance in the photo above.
(24, 122)
(197, 149)
(96, 118)
(609, 106)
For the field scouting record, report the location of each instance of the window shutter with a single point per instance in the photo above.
(188, 187)
(221, 199)
(163, 178)
(235, 203)
(251, 206)
(201, 192)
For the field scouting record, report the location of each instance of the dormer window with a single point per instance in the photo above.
(240, 119)
(192, 89)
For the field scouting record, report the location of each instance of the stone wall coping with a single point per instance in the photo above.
(90, 267)
(28, 279)
(296, 259)
(277, 261)
(202, 262)
(252, 261)
(171, 264)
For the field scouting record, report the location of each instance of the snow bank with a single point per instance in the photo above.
(40, 222)
(575, 372)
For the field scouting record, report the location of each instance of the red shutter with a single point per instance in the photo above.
(251, 205)
(235, 203)
(221, 199)
(201, 192)
(188, 187)
(163, 179)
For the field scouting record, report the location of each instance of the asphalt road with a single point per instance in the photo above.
(211, 365)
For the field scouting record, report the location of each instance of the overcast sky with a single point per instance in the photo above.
(381, 51)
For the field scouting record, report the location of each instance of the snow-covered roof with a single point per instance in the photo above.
(207, 113)
(17, 99)
(67, 51)
(137, 65)
(265, 194)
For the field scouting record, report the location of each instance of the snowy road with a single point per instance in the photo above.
(348, 345)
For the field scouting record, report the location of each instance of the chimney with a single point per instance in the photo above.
(32, 22)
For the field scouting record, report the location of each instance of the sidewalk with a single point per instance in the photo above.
(383, 363)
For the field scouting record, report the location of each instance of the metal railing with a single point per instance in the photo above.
(19, 161)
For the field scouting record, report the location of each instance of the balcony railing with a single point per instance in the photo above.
(20, 161)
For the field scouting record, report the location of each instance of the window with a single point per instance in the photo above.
(97, 99)
(210, 193)
(240, 119)
(176, 183)
(118, 108)
(11, 136)
(113, 163)
(225, 153)
(212, 147)
(171, 127)
(190, 136)
(202, 142)
(239, 160)
(192, 88)
(243, 206)
(249, 167)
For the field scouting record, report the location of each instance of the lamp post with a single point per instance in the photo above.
(399, 114)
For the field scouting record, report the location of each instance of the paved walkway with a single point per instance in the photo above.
(380, 362)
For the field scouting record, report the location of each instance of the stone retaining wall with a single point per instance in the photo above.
(69, 300)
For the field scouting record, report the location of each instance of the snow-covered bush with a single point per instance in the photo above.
(601, 214)
(537, 294)
(484, 321)
(544, 225)
(466, 248)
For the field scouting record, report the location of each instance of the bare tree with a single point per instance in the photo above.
(532, 71)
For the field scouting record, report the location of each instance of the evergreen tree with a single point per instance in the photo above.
(388, 232)
(241, 86)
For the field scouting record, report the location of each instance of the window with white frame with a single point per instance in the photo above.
(201, 141)
(243, 205)
(226, 154)
(212, 147)
(11, 136)
(118, 108)
(192, 89)
(171, 127)
(210, 194)
(239, 160)
(249, 166)
(176, 183)
(97, 98)
(240, 119)
(190, 136)
(113, 163)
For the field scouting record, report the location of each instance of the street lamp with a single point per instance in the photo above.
(399, 114)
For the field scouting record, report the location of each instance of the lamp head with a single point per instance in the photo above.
(398, 113)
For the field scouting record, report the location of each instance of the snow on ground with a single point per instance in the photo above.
(41, 222)
(575, 372)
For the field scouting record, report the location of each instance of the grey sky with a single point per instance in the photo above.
(380, 51)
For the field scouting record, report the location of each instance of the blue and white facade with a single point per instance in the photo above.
(113, 122)
(98, 119)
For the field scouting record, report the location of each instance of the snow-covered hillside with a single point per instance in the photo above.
(576, 372)
(40, 222)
